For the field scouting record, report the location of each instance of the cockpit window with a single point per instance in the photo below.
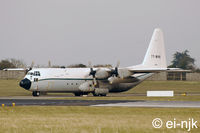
(36, 73)
(29, 73)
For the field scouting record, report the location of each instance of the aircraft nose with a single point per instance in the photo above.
(25, 83)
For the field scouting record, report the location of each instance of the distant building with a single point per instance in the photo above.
(179, 76)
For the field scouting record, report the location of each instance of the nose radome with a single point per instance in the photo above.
(25, 83)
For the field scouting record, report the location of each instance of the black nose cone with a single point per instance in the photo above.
(25, 83)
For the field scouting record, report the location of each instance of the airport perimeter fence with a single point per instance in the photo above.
(163, 76)
(178, 76)
(12, 74)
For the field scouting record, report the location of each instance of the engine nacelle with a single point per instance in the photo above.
(87, 87)
(124, 73)
(101, 74)
(113, 80)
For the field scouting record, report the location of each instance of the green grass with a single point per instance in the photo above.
(178, 86)
(11, 87)
(60, 119)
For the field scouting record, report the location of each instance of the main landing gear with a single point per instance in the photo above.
(81, 93)
(77, 94)
(36, 93)
(96, 95)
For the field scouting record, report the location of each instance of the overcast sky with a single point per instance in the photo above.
(102, 31)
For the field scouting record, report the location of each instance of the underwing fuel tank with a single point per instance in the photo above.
(87, 87)
(101, 91)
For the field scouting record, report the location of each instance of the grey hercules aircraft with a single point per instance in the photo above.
(98, 81)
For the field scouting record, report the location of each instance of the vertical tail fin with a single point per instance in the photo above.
(155, 56)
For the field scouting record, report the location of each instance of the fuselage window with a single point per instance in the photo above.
(71, 83)
(29, 73)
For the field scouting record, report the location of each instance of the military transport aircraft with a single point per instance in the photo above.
(98, 81)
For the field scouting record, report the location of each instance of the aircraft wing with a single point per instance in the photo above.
(14, 69)
(155, 70)
(129, 71)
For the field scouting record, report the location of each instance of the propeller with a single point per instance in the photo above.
(32, 65)
(30, 68)
(92, 72)
(117, 73)
(114, 72)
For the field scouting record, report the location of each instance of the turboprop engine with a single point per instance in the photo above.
(124, 73)
(112, 74)
(98, 73)
(113, 80)
(101, 74)
(118, 74)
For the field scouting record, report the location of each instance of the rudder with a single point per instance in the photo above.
(155, 56)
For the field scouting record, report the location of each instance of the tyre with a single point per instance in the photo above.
(77, 94)
(103, 95)
(95, 95)
(36, 93)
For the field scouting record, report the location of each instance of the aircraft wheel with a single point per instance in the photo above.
(95, 95)
(36, 93)
(103, 95)
(85, 93)
(77, 94)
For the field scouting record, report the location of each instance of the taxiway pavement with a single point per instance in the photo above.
(99, 103)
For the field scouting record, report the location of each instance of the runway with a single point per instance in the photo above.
(155, 104)
(49, 102)
(101, 103)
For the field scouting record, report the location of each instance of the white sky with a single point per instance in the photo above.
(102, 31)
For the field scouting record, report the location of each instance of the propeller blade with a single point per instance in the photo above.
(89, 64)
(118, 63)
(32, 64)
(49, 64)
(26, 71)
(114, 72)
(92, 72)
(95, 81)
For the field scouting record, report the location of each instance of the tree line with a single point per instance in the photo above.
(184, 60)
(12, 63)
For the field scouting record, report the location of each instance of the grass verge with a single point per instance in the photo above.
(91, 119)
